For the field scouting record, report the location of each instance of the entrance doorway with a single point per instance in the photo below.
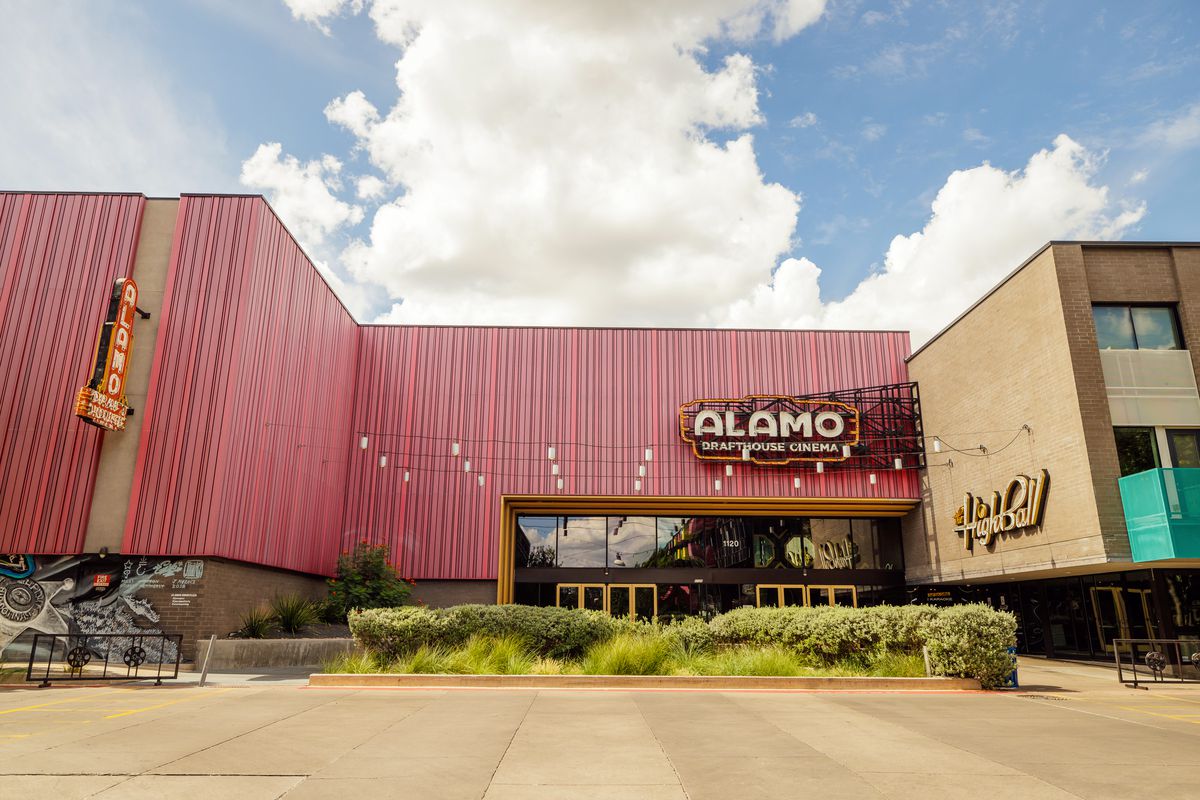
(780, 595)
(1121, 614)
(638, 601)
(634, 600)
(582, 595)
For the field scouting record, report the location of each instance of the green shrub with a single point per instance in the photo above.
(901, 628)
(690, 635)
(257, 624)
(330, 612)
(972, 641)
(394, 632)
(547, 631)
(629, 654)
(293, 613)
(365, 579)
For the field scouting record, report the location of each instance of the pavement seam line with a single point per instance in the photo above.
(511, 739)
(663, 750)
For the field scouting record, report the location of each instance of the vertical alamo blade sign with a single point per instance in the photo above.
(102, 402)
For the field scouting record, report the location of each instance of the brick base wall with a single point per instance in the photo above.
(227, 591)
(439, 594)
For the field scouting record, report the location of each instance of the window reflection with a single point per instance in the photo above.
(632, 541)
(581, 542)
(537, 541)
(714, 542)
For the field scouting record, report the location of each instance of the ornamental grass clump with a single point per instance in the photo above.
(629, 654)
(489, 655)
(257, 623)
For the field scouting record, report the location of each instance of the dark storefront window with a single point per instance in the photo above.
(708, 542)
(1182, 603)
(1137, 450)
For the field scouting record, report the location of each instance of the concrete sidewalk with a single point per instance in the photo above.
(1070, 732)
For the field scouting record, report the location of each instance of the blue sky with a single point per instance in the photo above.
(863, 113)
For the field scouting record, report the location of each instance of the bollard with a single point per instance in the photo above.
(207, 655)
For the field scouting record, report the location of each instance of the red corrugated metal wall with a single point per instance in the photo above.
(600, 396)
(249, 414)
(59, 255)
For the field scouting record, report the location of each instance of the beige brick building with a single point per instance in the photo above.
(1077, 364)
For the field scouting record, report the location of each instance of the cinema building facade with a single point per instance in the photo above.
(232, 429)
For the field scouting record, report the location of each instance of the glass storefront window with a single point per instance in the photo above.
(537, 541)
(1114, 328)
(632, 541)
(1137, 449)
(582, 542)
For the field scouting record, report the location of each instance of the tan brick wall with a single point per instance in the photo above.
(1005, 364)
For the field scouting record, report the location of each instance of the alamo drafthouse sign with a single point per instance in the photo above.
(102, 401)
(769, 429)
(1019, 506)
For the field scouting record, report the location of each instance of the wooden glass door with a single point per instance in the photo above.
(634, 600)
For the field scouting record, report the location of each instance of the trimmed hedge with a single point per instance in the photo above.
(548, 631)
(968, 641)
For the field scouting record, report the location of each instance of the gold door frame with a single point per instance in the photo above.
(632, 587)
(779, 587)
(581, 586)
(832, 587)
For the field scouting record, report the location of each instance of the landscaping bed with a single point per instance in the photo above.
(968, 642)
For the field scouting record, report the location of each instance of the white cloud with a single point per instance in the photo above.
(301, 193)
(554, 162)
(316, 11)
(983, 223)
(1139, 177)
(369, 187)
(1177, 133)
(874, 131)
(805, 120)
(88, 107)
(976, 136)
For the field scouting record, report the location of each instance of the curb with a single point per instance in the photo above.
(407, 681)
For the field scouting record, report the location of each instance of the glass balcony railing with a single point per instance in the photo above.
(1162, 513)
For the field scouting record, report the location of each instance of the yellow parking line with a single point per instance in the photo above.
(1156, 714)
(168, 703)
(57, 702)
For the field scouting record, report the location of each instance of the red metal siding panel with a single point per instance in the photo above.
(59, 256)
(600, 396)
(251, 395)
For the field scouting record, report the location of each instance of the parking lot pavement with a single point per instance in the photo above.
(1070, 731)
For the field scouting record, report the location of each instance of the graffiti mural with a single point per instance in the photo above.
(89, 594)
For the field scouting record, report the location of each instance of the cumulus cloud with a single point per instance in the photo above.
(87, 106)
(581, 163)
(984, 222)
(805, 120)
(569, 162)
(302, 193)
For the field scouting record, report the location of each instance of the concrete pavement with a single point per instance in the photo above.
(1071, 731)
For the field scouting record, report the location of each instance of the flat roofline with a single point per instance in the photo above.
(627, 328)
(1026, 262)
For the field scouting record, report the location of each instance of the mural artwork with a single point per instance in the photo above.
(88, 594)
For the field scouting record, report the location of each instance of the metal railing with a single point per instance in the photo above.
(1163, 661)
(104, 657)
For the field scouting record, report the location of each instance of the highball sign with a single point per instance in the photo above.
(1018, 506)
(769, 429)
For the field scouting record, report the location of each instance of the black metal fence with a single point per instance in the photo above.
(104, 657)
(1161, 661)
